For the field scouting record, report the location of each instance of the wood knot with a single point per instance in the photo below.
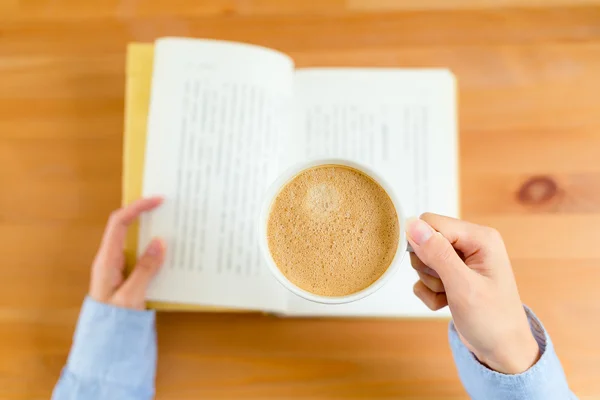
(537, 190)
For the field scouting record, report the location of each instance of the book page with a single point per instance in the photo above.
(218, 113)
(402, 123)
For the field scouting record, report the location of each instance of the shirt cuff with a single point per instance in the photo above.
(545, 380)
(114, 345)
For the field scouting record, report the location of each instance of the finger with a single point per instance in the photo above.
(132, 294)
(433, 284)
(436, 252)
(105, 277)
(420, 266)
(464, 236)
(434, 301)
(116, 228)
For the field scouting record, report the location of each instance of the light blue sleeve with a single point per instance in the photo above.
(113, 355)
(543, 381)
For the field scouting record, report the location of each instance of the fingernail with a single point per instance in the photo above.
(155, 248)
(419, 231)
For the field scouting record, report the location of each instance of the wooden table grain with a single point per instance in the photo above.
(529, 81)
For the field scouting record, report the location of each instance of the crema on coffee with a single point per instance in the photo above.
(332, 230)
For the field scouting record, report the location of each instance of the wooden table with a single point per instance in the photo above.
(530, 166)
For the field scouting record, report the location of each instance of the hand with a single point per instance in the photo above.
(107, 284)
(481, 290)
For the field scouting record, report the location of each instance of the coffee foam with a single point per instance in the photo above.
(332, 230)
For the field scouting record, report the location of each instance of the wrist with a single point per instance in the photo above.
(515, 357)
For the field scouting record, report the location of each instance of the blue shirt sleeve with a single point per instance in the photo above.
(113, 355)
(543, 381)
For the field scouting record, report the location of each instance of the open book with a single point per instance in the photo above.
(226, 118)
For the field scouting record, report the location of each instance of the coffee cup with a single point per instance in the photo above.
(270, 197)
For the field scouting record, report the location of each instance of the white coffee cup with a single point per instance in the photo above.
(272, 193)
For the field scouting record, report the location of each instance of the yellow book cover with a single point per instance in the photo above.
(140, 58)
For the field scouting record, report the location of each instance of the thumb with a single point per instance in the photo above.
(132, 294)
(436, 252)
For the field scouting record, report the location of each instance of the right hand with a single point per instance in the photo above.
(466, 267)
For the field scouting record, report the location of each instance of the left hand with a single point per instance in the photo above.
(108, 284)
